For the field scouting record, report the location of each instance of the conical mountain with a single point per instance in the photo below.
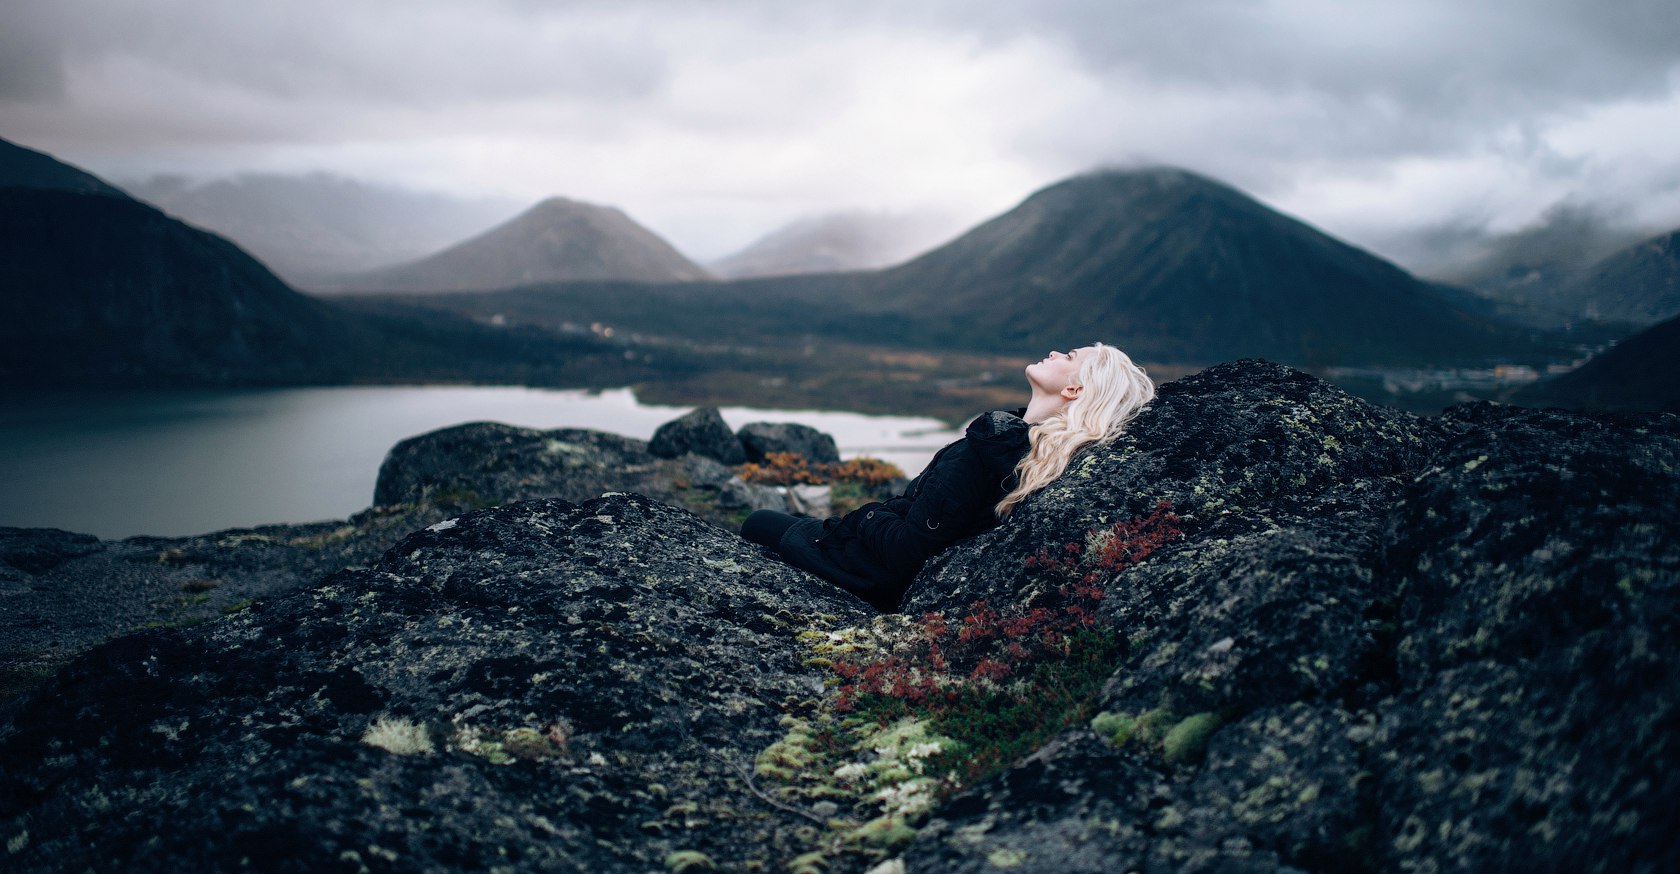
(1639, 285)
(26, 168)
(558, 240)
(1177, 267)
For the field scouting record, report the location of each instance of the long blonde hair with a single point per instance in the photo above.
(1115, 391)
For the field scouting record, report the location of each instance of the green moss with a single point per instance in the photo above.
(1006, 858)
(1116, 727)
(688, 860)
(883, 833)
(1187, 740)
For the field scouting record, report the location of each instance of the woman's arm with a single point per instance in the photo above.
(938, 516)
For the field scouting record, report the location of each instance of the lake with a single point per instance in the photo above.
(172, 463)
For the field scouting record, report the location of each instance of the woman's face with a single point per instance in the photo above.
(1057, 372)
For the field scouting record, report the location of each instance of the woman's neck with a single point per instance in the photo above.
(1043, 406)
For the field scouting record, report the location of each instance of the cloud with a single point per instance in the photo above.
(713, 122)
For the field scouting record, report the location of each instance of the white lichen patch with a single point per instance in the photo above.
(445, 525)
(399, 736)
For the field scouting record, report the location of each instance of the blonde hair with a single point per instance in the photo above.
(1115, 391)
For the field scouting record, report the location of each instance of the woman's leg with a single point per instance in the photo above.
(766, 527)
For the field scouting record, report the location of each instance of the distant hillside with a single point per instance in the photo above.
(27, 168)
(1639, 285)
(99, 289)
(1178, 267)
(1639, 373)
(103, 290)
(557, 240)
(831, 243)
(311, 227)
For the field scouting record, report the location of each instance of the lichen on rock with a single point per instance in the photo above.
(1380, 643)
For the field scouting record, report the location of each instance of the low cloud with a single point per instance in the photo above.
(715, 122)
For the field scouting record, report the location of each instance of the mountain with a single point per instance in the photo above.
(308, 228)
(1639, 285)
(831, 243)
(105, 290)
(557, 240)
(1178, 267)
(1639, 373)
(98, 289)
(26, 168)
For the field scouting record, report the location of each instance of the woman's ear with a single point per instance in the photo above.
(1072, 392)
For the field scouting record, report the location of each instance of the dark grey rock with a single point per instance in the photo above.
(491, 463)
(1410, 645)
(38, 550)
(702, 432)
(590, 681)
(762, 438)
(1539, 576)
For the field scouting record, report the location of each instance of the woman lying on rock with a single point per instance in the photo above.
(1078, 398)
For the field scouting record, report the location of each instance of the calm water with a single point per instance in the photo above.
(174, 463)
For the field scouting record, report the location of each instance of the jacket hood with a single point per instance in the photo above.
(999, 438)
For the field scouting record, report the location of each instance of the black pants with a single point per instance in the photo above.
(766, 527)
(794, 540)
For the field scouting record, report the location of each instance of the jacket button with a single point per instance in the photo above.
(869, 515)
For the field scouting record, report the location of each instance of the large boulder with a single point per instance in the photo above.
(762, 438)
(701, 432)
(493, 463)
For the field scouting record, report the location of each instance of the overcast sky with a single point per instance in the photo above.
(712, 122)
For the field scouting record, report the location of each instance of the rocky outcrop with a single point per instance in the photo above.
(701, 432)
(1361, 641)
(762, 438)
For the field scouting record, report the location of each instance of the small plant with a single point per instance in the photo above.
(782, 469)
(867, 472)
(1106, 551)
(399, 736)
(793, 469)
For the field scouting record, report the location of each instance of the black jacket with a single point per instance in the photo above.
(876, 550)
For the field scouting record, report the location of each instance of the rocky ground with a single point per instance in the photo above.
(66, 592)
(1272, 628)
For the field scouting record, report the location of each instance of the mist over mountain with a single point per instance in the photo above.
(1638, 285)
(22, 167)
(1179, 267)
(558, 240)
(314, 226)
(831, 243)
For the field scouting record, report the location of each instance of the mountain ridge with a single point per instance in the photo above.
(556, 240)
(1183, 267)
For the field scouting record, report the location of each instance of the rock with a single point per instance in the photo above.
(1539, 579)
(762, 438)
(564, 687)
(35, 551)
(1376, 643)
(702, 432)
(738, 494)
(488, 463)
